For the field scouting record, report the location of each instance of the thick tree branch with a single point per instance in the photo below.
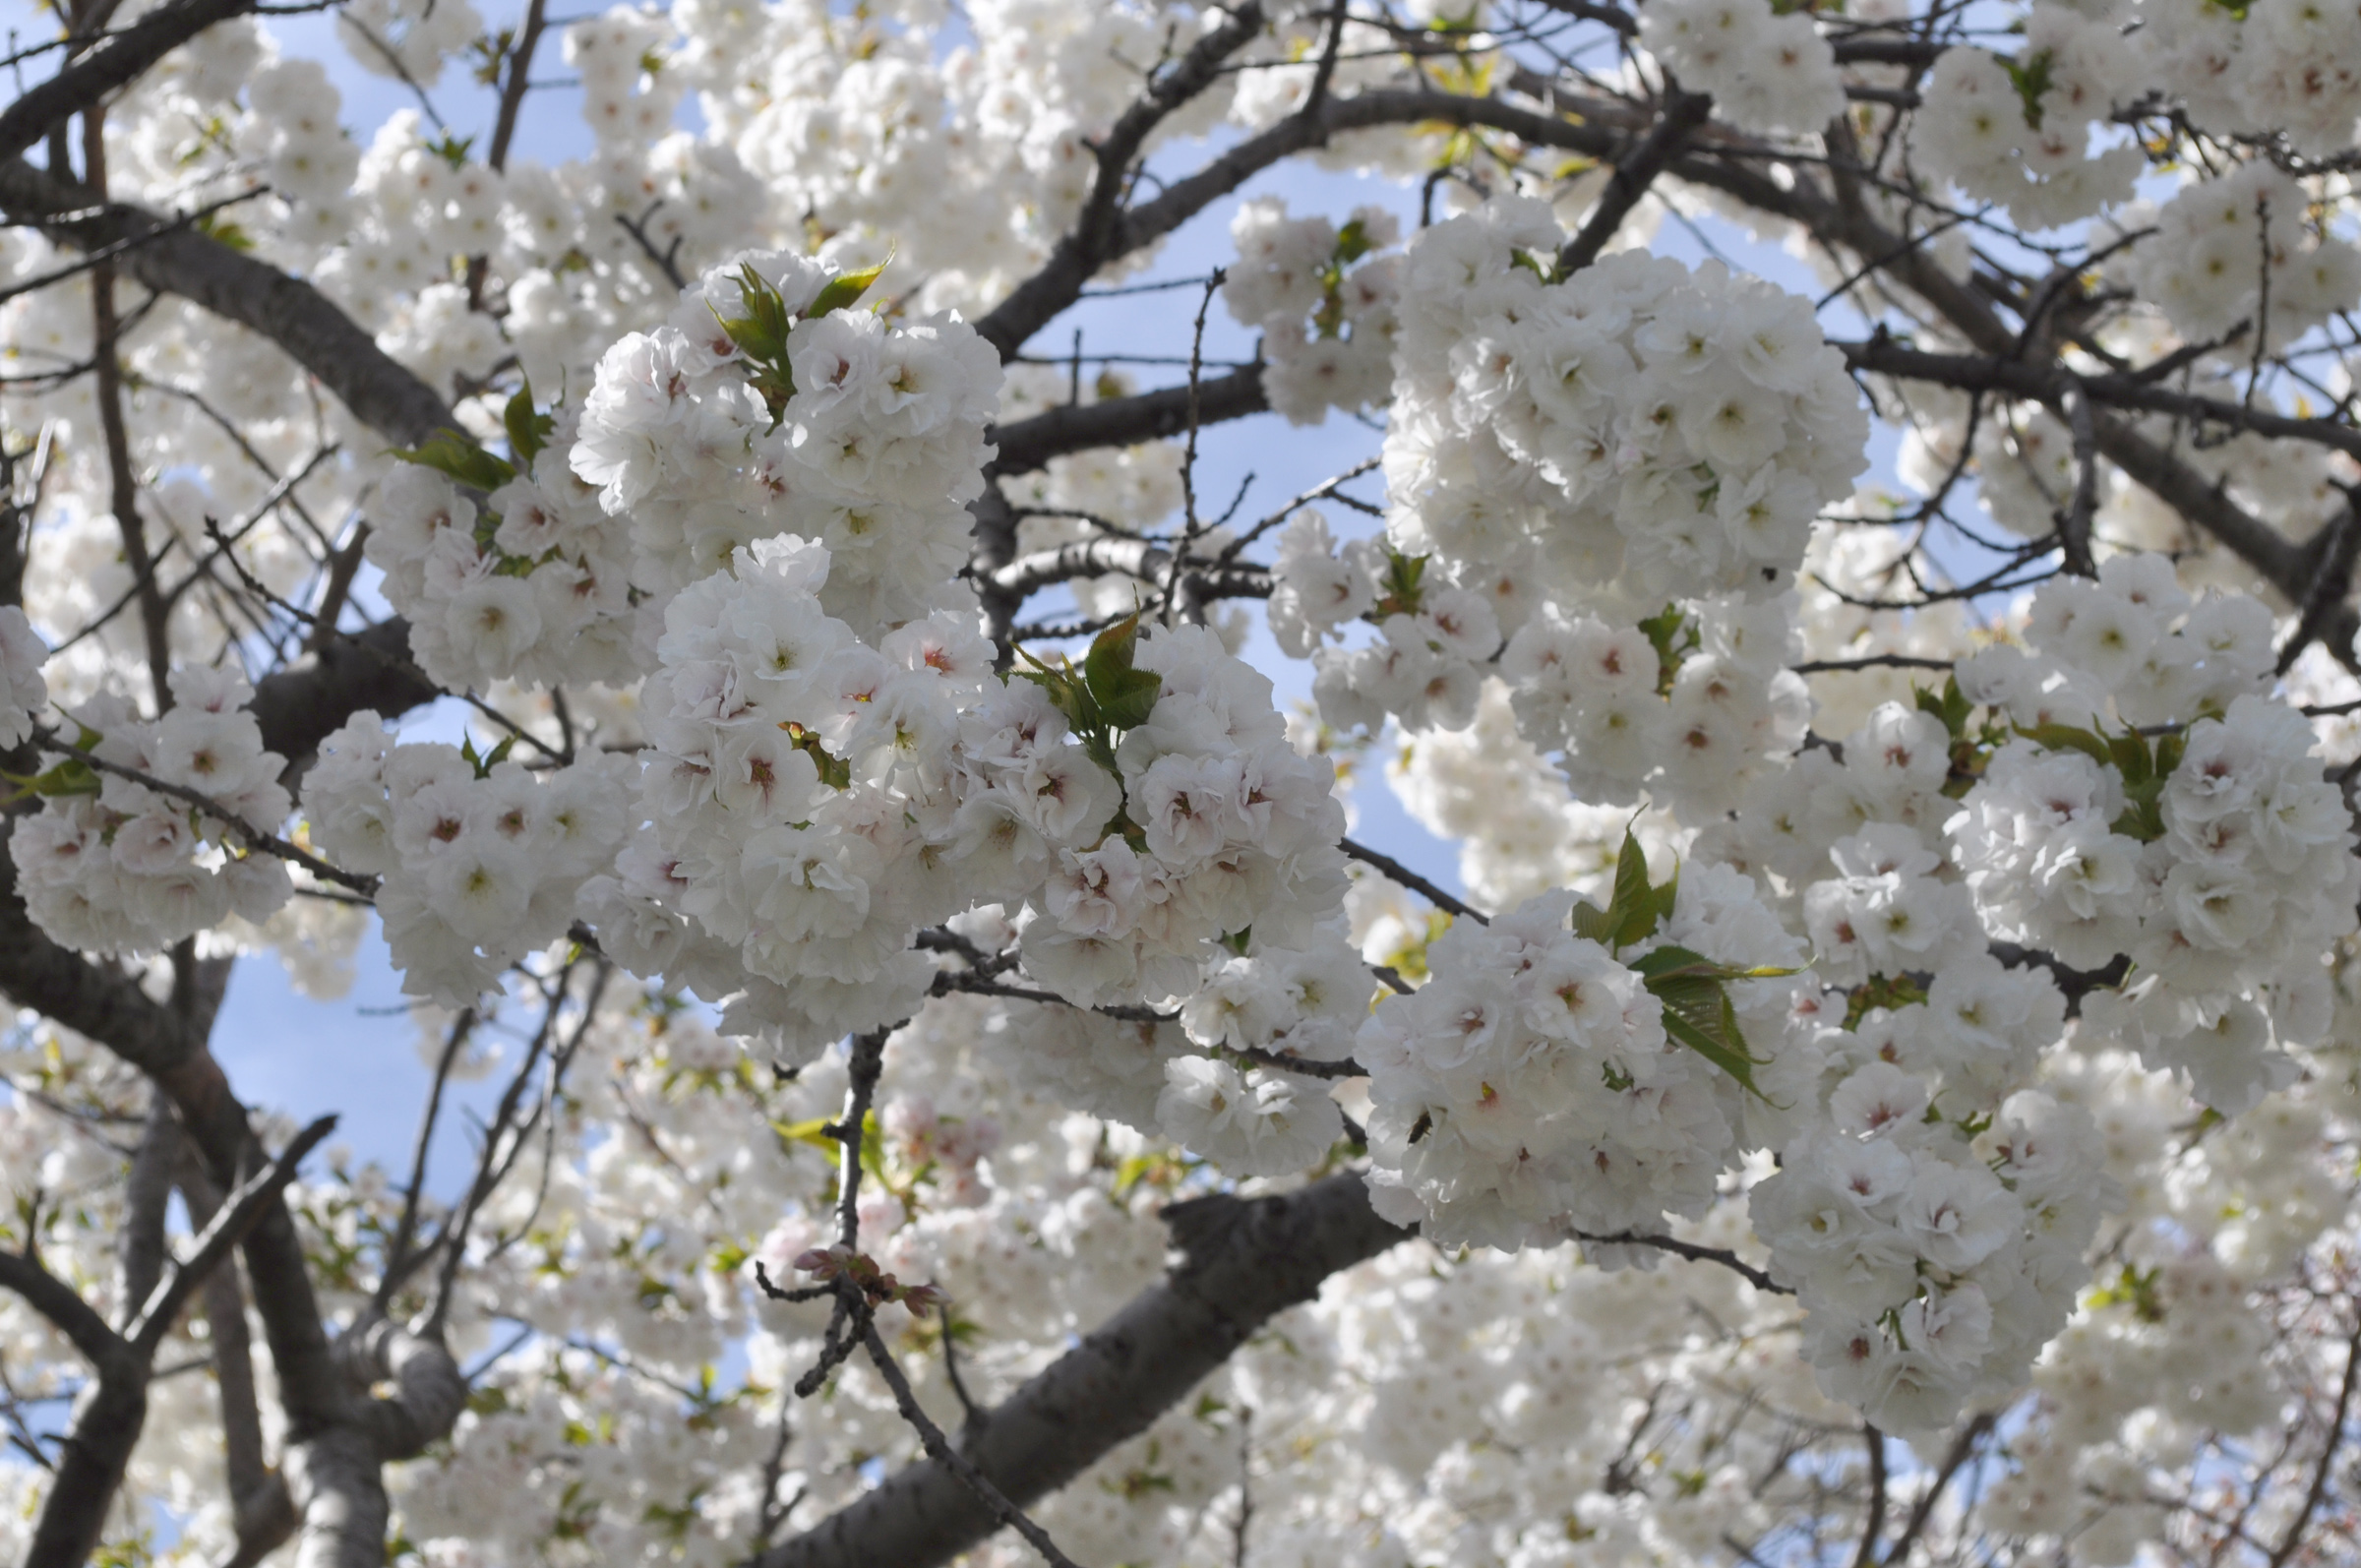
(224, 1231)
(1029, 444)
(1097, 236)
(112, 1408)
(197, 268)
(1244, 1260)
(110, 64)
(1635, 171)
(63, 1306)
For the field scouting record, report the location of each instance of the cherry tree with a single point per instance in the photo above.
(1847, 529)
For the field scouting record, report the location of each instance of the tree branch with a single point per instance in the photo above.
(1244, 1260)
(1029, 444)
(1097, 236)
(111, 63)
(1636, 170)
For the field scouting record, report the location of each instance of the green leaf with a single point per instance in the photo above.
(836, 772)
(2132, 1287)
(2031, 75)
(1067, 694)
(1634, 907)
(1683, 963)
(1594, 923)
(1632, 893)
(1893, 992)
(2069, 738)
(455, 456)
(223, 232)
(1951, 706)
(72, 776)
(1695, 994)
(1124, 694)
(760, 335)
(528, 432)
(1674, 635)
(806, 1133)
(1698, 1014)
(1547, 271)
(1352, 242)
(452, 149)
(1405, 576)
(845, 289)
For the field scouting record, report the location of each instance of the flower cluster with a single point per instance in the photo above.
(1324, 300)
(1228, 837)
(2224, 246)
(111, 865)
(803, 793)
(535, 588)
(1768, 69)
(816, 800)
(479, 858)
(2017, 131)
(2223, 875)
(1636, 430)
(1257, 1120)
(1684, 705)
(1434, 640)
(1934, 1266)
(766, 406)
(2216, 857)
(2287, 68)
(1546, 1082)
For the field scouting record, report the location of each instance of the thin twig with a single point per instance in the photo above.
(248, 835)
(938, 1448)
(1393, 870)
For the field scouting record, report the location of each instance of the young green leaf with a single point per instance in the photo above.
(1674, 637)
(1950, 706)
(455, 456)
(1124, 695)
(528, 432)
(2069, 738)
(845, 289)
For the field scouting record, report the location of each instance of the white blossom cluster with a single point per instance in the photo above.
(2291, 68)
(2226, 248)
(874, 448)
(480, 862)
(1934, 1266)
(756, 867)
(1637, 428)
(1427, 664)
(814, 800)
(1690, 723)
(1769, 70)
(1261, 1120)
(2017, 131)
(1324, 299)
(111, 865)
(537, 588)
(2225, 884)
(1530, 1090)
